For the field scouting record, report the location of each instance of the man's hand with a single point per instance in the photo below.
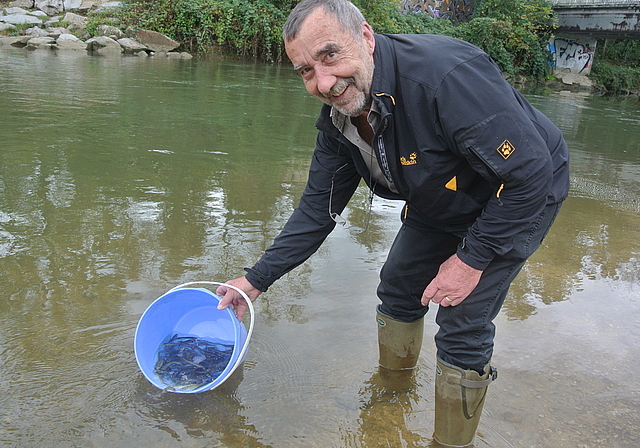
(454, 282)
(232, 297)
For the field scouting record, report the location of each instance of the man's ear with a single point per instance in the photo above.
(369, 39)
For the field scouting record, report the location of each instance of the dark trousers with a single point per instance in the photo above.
(466, 331)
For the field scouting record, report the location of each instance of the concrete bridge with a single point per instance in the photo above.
(582, 22)
(599, 19)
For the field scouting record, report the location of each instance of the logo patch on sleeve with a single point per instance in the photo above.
(506, 149)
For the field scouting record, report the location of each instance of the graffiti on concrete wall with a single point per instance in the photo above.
(454, 10)
(572, 56)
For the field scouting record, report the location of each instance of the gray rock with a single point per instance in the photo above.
(72, 5)
(131, 46)
(68, 38)
(70, 45)
(22, 4)
(40, 43)
(76, 21)
(9, 41)
(156, 41)
(20, 19)
(36, 31)
(56, 32)
(574, 78)
(179, 55)
(103, 45)
(52, 21)
(87, 6)
(15, 10)
(111, 31)
(50, 7)
(20, 41)
(6, 26)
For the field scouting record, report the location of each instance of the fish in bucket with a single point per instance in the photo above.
(185, 344)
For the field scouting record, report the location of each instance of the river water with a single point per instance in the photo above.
(121, 178)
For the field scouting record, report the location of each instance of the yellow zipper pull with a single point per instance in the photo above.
(393, 100)
(498, 193)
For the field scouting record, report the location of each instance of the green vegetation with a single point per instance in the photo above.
(617, 65)
(248, 28)
(513, 32)
(19, 30)
(99, 18)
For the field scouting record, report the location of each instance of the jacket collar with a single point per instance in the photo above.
(384, 74)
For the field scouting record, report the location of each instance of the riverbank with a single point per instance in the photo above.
(87, 26)
(60, 26)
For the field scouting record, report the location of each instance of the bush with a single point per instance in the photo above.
(619, 51)
(616, 79)
(514, 32)
(419, 23)
(382, 15)
(492, 36)
(246, 28)
(522, 29)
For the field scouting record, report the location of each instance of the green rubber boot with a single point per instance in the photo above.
(459, 399)
(399, 342)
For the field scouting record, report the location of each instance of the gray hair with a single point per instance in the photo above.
(347, 14)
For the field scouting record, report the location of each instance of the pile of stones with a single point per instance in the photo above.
(60, 25)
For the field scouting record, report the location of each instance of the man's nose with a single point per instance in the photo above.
(325, 80)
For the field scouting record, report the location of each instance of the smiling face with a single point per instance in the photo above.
(336, 66)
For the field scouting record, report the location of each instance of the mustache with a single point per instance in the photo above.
(339, 87)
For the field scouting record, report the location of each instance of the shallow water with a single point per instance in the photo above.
(122, 178)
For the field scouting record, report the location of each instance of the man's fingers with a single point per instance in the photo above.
(225, 295)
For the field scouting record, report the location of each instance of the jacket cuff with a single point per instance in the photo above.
(475, 257)
(257, 280)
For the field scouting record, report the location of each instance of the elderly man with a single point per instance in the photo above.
(431, 121)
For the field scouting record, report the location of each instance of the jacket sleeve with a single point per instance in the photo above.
(484, 123)
(310, 223)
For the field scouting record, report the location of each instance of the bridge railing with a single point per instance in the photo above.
(595, 3)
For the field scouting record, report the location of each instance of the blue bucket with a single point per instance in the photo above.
(186, 310)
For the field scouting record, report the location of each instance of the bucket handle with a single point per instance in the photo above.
(249, 305)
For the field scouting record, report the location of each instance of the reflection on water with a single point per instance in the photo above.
(121, 178)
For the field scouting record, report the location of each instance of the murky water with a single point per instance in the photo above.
(122, 178)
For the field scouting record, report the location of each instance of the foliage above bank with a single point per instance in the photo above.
(617, 65)
(513, 32)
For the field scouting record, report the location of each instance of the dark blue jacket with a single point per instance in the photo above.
(463, 148)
